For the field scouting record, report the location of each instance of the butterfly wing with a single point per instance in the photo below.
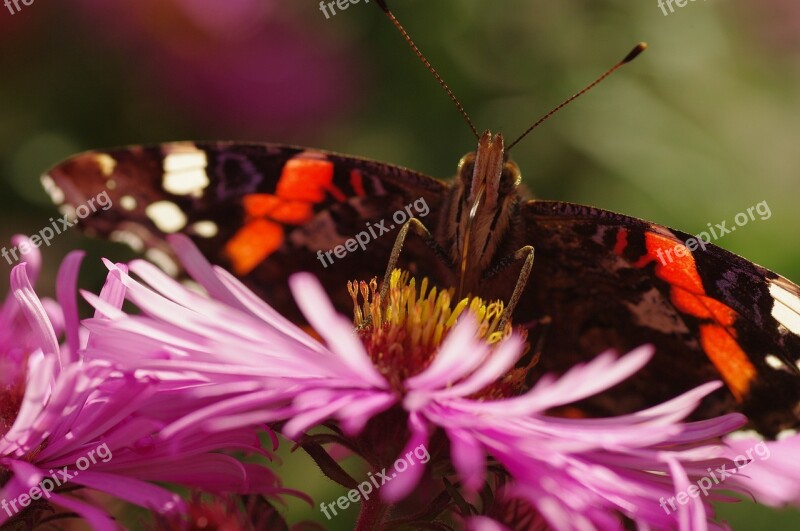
(611, 281)
(264, 211)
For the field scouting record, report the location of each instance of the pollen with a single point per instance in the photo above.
(403, 333)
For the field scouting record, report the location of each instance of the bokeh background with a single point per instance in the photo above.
(703, 125)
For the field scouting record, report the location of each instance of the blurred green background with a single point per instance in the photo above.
(699, 128)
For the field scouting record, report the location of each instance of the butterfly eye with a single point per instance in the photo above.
(465, 168)
(466, 162)
(511, 176)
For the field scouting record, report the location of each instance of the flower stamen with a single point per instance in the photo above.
(402, 334)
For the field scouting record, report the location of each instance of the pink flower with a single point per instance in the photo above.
(67, 422)
(418, 375)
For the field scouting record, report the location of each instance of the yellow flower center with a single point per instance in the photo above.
(402, 334)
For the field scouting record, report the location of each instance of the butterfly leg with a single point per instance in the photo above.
(419, 229)
(525, 253)
(540, 326)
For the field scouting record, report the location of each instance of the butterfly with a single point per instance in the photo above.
(582, 279)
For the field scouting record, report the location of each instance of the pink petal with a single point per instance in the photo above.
(34, 312)
(337, 331)
(451, 363)
(66, 292)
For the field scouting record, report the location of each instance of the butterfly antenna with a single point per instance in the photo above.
(639, 48)
(431, 69)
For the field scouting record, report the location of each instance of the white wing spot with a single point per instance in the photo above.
(128, 202)
(744, 434)
(106, 163)
(204, 229)
(52, 189)
(786, 306)
(132, 240)
(775, 362)
(185, 170)
(163, 260)
(166, 215)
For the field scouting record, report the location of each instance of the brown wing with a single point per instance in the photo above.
(264, 211)
(607, 281)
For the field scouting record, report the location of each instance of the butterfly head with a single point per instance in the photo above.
(484, 191)
(487, 172)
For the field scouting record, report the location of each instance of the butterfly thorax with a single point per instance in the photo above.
(478, 211)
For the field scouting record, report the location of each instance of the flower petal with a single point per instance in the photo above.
(34, 312)
(66, 293)
(337, 331)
